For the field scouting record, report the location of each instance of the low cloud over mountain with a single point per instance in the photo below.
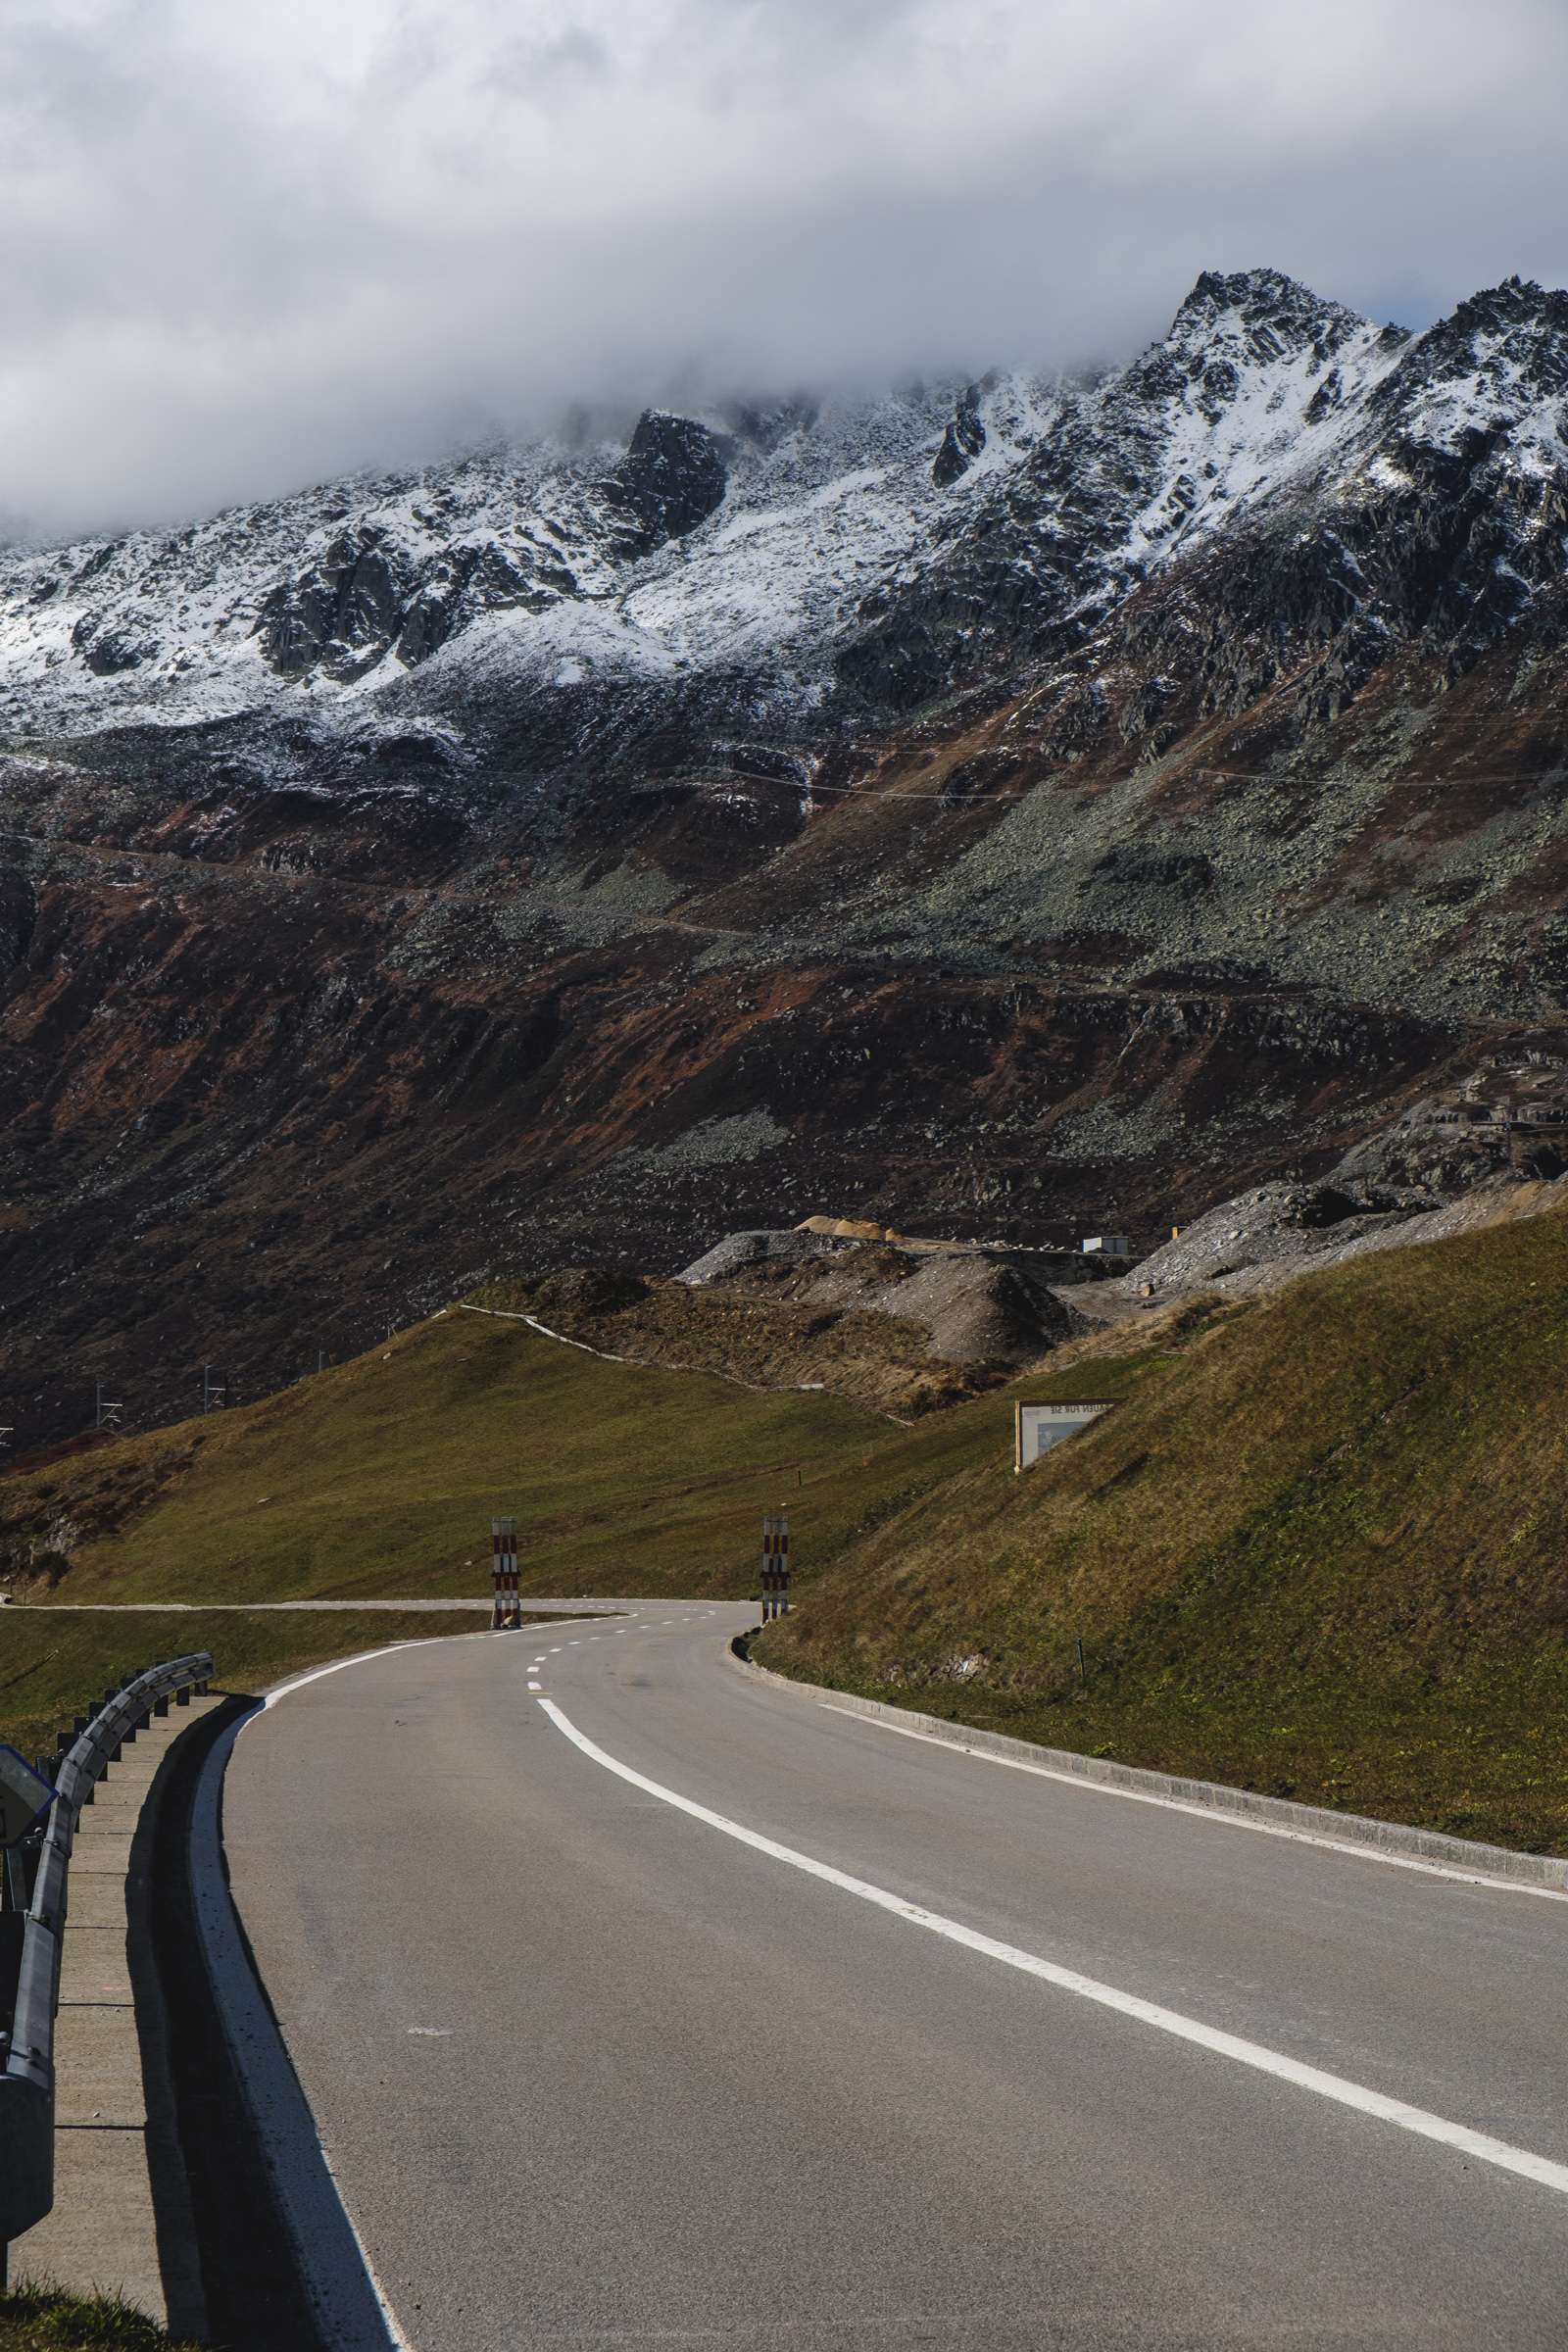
(249, 249)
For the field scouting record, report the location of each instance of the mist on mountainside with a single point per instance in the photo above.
(247, 252)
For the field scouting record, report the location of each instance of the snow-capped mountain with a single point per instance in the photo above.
(806, 545)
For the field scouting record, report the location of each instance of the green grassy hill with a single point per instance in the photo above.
(378, 1479)
(1321, 1550)
(54, 1666)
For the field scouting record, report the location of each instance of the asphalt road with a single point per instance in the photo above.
(875, 2047)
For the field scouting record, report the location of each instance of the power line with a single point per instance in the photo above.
(1201, 771)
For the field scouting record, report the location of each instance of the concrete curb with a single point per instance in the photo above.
(120, 2224)
(1355, 1832)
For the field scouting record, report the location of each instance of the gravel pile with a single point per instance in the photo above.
(763, 1245)
(1273, 1224)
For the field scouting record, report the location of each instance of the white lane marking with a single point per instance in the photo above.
(433, 2032)
(299, 1680)
(1209, 1813)
(1253, 2054)
(536, 1686)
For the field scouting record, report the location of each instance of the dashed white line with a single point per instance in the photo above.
(1251, 2054)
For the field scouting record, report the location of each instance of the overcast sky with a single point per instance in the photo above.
(246, 245)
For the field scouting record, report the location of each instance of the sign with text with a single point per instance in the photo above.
(1037, 1428)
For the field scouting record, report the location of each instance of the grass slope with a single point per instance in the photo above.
(378, 1479)
(40, 2318)
(54, 1666)
(1321, 1551)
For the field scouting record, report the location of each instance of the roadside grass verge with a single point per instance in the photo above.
(54, 1665)
(1321, 1550)
(37, 2317)
(379, 1478)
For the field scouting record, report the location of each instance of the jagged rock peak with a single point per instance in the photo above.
(1264, 298)
(1516, 302)
(671, 478)
(963, 441)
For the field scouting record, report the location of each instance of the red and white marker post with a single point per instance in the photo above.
(775, 1566)
(507, 1607)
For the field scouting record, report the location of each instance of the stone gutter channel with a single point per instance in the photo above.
(121, 2222)
(1278, 1817)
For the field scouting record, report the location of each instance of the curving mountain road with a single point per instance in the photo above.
(660, 2005)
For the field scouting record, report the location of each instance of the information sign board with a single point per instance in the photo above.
(1037, 1428)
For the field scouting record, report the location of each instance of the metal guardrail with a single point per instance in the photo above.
(36, 1875)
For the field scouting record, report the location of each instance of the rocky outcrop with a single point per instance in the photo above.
(377, 588)
(671, 478)
(962, 442)
(341, 615)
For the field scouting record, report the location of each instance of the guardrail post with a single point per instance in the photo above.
(35, 1878)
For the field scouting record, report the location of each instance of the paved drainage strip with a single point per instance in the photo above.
(1275, 1816)
(86, 2131)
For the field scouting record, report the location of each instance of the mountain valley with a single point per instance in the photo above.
(1003, 810)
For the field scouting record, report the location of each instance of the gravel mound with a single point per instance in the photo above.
(759, 1246)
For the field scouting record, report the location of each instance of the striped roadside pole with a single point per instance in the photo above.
(507, 1607)
(775, 1566)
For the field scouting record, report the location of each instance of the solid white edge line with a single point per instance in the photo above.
(269, 1699)
(1210, 1813)
(1255, 2055)
(348, 2300)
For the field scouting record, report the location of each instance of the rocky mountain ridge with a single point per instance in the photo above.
(822, 539)
(1000, 809)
